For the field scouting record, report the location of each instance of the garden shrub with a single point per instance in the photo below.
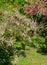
(39, 14)
(5, 53)
(40, 40)
(19, 43)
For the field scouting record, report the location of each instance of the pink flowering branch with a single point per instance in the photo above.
(34, 8)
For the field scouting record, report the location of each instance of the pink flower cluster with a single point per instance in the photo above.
(34, 8)
(43, 11)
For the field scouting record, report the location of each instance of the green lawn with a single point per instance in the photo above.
(33, 58)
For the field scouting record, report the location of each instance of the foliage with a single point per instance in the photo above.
(16, 40)
(41, 39)
(5, 53)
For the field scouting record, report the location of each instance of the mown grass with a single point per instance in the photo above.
(33, 58)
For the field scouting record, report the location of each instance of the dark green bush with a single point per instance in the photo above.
(5, 54)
